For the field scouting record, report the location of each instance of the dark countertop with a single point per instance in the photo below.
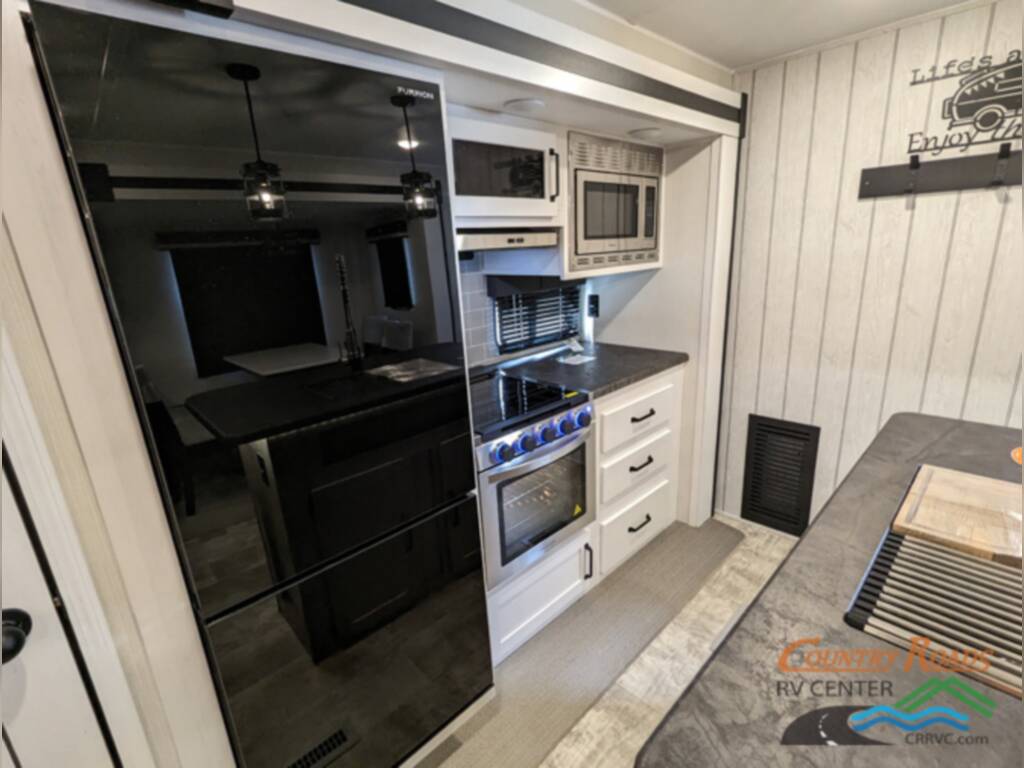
(245, 412)
(614, 366)
(731, 715)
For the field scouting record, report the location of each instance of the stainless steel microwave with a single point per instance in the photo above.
(616, 197)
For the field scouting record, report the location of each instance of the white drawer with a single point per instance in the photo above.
(521, 608)
(638, 466)
(635, 525)
(637, 417)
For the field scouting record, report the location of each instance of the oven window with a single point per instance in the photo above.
(610, 210)
(534, 506)
(494, 170)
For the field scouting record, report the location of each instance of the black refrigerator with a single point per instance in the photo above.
(271, 235)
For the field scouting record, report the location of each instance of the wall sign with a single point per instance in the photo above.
(980, 100)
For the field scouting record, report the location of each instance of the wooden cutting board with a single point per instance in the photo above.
(971, 513)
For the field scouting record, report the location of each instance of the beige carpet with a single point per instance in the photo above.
(549, 683)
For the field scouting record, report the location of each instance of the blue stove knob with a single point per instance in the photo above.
(547, 433)
(502, 452)
(566, 425)
(526, 443)
(583, 418)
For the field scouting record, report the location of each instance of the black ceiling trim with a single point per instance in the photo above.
(183, 240)
(458, 23)
(100, 185)
(221, 8)
(164, 182)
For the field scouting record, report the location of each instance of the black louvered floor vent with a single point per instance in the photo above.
(323, 753)
(778, 478)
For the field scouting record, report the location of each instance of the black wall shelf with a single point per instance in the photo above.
(1002, 168)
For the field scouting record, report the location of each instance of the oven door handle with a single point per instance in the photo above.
(525, 468)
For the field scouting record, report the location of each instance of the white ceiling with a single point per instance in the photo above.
(738, 33)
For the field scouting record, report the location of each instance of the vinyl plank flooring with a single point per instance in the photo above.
(612, 732)
(549, 683)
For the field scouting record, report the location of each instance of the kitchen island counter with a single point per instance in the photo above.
(737, 709)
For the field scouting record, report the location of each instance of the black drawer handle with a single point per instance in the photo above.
(647, 519)
(645, 417)
(650, 460)
(590, 562)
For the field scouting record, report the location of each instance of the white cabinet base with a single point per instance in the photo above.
(632, 527)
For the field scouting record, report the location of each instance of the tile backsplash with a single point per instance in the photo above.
(478, 318)
(478, 315)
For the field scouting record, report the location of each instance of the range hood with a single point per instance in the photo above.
(470, 240)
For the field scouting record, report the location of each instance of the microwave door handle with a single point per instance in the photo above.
(536, 462)
(558, 173)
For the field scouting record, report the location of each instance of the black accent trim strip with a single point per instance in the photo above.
(441, 17)
(10, 750)
(180, 240)
(100, 186)
(220, 8)
(728, 302)
(160, 182)
(59, 608)
(744, 102)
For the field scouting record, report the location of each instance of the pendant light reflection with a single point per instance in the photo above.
(261, 180)
(418, 190)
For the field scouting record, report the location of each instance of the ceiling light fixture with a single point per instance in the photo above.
(408, 145)
(525, 105)
(418, 189)
(646, 134)
(261, 181)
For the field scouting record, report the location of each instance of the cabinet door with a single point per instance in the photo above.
(632, 527)
(504, 171)
(521, 608)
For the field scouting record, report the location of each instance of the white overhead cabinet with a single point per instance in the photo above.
(505, 174)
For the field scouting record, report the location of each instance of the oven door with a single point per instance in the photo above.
(533, 503)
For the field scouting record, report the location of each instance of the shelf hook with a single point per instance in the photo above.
(915, 166)
(1002, 163)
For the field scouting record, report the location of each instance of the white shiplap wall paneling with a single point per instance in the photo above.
(829, 130)
(783, 256)
(872, 72)
(845, 311)
(762, 163)
(968, 285)
(931, 229)
(909, 106)
(995, 367)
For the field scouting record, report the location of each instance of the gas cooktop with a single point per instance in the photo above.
(503, 402)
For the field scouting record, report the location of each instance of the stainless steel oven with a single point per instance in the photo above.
(616, 198)
(536, 491)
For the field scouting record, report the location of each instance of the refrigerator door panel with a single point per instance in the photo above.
(368, 657)
(244, 204)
